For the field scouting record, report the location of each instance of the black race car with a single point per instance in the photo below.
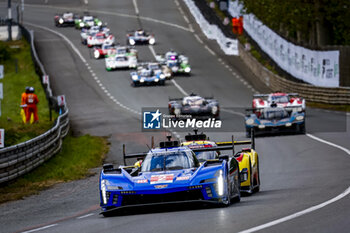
(65, 19)
(194, 105)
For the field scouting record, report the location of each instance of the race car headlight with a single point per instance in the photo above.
(162, 76)
(214, 110)
(249, 121)
(61, 21)
(103, 190)
(142, 80)
(187, 69)
(220, 183)
(99, 23)
(135, 77)
(156, 80)
(261, 126)
(131, 41)
(288, 124)
(168, 74)
(299, 118)
(174, 68)
(151, 41)
(81, 24)
(177, 111)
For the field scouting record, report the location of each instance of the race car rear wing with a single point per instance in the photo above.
(231, 144)
(266, 95)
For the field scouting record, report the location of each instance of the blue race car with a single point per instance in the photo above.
(275, 120)
(170, 174)
(146, 76)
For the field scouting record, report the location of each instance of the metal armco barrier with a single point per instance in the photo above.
(328, 95)
(20, 159)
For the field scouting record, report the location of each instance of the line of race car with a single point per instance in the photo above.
(194, 170)
(97, 36)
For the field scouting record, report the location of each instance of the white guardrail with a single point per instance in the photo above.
(212, 32)
(320, 68)
(20, 159)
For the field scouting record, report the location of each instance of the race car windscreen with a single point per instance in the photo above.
(205, 155)
(274, 113)
(168, 161)
(279, 99)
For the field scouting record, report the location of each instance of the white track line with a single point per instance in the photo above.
(173, 81)
(135, 6)
(85, 216)
(75, 49)
(114, 13)
(311, 209)
(40, 228)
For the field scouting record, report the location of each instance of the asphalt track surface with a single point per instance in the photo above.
(297, 171)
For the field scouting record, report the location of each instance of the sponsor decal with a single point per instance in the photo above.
(183, 178)
(156, 179)
(161, 186)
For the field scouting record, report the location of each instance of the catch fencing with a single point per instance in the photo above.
(21, 158)
(327, 95)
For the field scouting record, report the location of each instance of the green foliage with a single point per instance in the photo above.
(78, 155)
(305, 20)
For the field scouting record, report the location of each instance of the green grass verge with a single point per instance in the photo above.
(78, 155)
(17, 54)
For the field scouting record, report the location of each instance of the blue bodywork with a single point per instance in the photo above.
(274, 120)
(147, 77)
(168, 183)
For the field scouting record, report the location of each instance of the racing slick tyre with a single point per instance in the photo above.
(257, 188)
(301, 128)
(238, 198)
(227, 199)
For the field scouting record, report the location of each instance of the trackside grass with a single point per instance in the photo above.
(20, 72)
(78, 155)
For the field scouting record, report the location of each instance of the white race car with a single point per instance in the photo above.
(120, 62)
(100, 38)
(280, 99)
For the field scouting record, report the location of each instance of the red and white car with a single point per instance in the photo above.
(106, 49)
(280, 99)
(100, 38)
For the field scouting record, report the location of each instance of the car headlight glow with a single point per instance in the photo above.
(220, 183)
(299, 118)
(177, 111)
(187, 69)
(151, 41)
(131, 41)
(249, 121)
(81, 24)
(156, 80)
(142, 80)
(99, 23)
(135, 77)
(288, 124)
(261, 126)
(162, 76)
(61, 21)
(214, 110)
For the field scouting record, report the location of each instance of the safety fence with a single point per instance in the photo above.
(21, 158)
(328, 95)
